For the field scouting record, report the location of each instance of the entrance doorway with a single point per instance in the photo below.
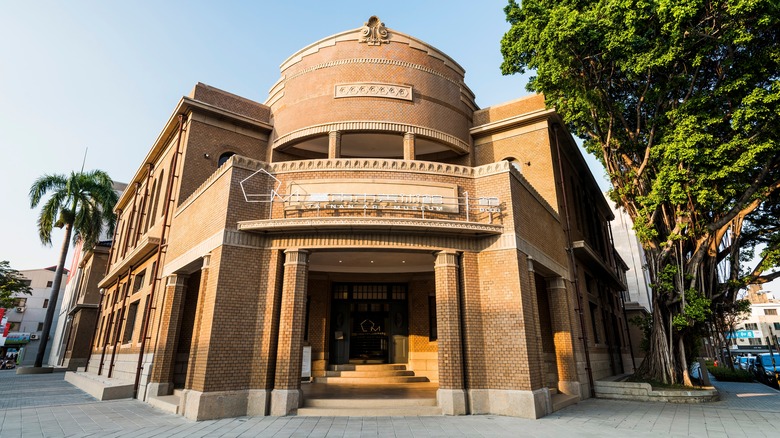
(369, 323)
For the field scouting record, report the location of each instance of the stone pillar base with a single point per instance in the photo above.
(212, 405)
(285, 401)
(452, 401)
(258, 402)
(512, 403)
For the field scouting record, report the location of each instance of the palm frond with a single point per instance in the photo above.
(43, 185)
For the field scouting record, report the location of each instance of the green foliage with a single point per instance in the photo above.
(11, 284)
(697, 309)
(728, 375)
(83, 201)
(645, 323)
(680, 101)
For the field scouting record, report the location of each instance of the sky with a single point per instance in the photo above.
(101, 78)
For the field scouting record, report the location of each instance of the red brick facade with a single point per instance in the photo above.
(394, 188)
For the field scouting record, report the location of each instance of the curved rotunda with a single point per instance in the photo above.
(367, 225)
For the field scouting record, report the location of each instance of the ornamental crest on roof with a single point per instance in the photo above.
(374, 32)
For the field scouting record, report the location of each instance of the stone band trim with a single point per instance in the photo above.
(453, 142)
(379, 61)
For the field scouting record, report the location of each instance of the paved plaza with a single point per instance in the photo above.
(47, 406)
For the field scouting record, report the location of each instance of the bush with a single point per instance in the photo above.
(725, 374)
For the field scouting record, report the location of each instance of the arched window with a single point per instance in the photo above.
(224, 157)
(515, 163)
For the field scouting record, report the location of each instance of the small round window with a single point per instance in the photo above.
(224, 157)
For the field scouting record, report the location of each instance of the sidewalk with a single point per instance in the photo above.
(47, 406)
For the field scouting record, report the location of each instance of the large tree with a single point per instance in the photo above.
(12, 284)
(680, 101)
(82, 204)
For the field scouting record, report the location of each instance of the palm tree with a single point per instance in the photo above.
(82, 204)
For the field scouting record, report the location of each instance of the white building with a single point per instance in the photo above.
(27, 316)
(627, 245)
(764, 321)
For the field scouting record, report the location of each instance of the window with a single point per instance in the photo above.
(224, 157)
(593, 313)
(754, 341)
(751, 326)
(138, 281)
(46, 303)
(40, 327)
(770, 311)
(777, 326)
(433, 327)
(49, 283)
(27, 283)
(132, 311)
(20, 302)
(157, 197)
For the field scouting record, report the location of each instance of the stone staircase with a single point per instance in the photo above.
(363, 390)
(357, 374)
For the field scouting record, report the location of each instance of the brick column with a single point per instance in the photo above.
(451, 394)
(562, 336)
(191, 362)
(286, 395)
(334, 144)
(161, 378)
(409, 153)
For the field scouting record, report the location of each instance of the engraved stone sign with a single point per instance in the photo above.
(373, 89)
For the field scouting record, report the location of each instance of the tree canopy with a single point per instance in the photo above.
(680, 101)
(11, 284)
(82, 204)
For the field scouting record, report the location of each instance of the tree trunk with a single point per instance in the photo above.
(55, 292)
(686, 377)
(658, 362)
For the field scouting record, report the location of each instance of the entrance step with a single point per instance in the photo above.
(560, 401)
(369, 407)
(377, 373)
(167, 403)
(372, 380)
(385, 411)
(367, 367)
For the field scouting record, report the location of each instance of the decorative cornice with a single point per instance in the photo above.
(371, 164)
(371, 224)
(374, 32)
(453, 142)
(373, 89)
(142, 250)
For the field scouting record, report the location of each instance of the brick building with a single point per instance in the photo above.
(371, 214)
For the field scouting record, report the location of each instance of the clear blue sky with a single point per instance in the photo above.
(107, 75)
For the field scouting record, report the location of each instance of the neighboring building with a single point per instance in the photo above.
(78, 316)
(764, 322)
(637, 300)
(28, 314)
(372, 213)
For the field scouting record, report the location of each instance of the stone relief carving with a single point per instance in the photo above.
(374, 32)
(371, 89)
